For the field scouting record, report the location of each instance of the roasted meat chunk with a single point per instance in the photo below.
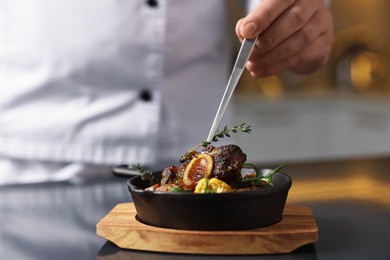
(228, 162)
(172, 174)
(224, 163)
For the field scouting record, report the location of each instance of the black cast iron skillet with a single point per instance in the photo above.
(212, 211)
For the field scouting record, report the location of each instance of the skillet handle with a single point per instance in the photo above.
(125, 171)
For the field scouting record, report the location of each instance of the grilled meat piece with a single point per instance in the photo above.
(172, 174)
(228, 162)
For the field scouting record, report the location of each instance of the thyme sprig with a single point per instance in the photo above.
(145, 175)
(225, 132)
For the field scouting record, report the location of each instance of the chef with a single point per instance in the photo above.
(85, 85)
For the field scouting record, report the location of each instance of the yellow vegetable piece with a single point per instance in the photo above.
(199, 167)
(214, 185)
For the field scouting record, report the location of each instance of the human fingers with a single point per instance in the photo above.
(289, 22)
(315, 57)
(238, 27)
(261, 17)
(306, 61)
(295, 43)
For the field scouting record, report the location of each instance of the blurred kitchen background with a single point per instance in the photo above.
(341, 111)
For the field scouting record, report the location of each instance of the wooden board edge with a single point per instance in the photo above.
(135, 240)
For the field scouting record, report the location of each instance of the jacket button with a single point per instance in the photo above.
(152, 3)
(145, 95)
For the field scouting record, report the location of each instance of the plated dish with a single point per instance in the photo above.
(210, 211)
(212, 189)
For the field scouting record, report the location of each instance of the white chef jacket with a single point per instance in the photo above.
(109, 82)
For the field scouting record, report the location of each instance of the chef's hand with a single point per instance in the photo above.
(295, 35)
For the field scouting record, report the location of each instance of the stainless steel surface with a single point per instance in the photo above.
(242, 58)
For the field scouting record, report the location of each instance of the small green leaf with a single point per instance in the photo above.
(176, 189)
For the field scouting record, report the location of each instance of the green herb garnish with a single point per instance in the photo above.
(145, 175)
(218, 135)
(268, 178)
(263, 181)
(175, 189)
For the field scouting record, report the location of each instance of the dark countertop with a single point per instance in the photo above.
(350, 200)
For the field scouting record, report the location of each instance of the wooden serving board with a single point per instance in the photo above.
(297, 228)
